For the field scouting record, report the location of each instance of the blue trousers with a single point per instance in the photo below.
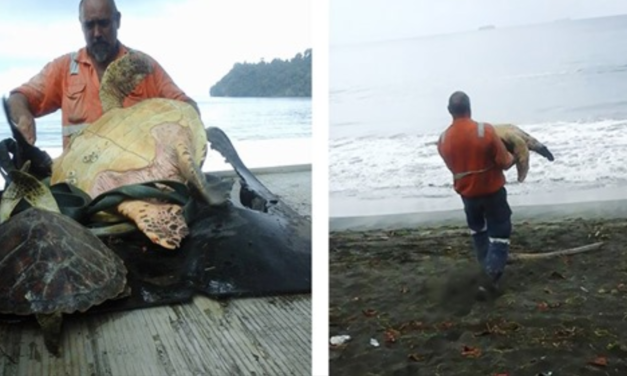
(489, 220)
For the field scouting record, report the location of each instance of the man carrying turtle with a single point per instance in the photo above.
(72, 82)
(477, 157)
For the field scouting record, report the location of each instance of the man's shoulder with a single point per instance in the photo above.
(63, 59)
(486, 129)
(443, 134)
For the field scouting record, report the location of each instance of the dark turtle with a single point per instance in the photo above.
(49, 263)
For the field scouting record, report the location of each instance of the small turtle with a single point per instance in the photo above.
(155, 139)
(51, 265)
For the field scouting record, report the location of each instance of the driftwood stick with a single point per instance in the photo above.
(540, 256)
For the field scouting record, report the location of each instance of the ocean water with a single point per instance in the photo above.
(565, 83)
(266, 132)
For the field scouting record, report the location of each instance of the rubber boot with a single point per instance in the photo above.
(496, 260)
(481, 243)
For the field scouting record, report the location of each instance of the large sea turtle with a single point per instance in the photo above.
(155, 139)
(51, 265)
(518, 142)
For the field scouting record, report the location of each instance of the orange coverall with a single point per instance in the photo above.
(70, 83)
(476, 156)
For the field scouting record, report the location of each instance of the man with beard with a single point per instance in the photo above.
(72, 82)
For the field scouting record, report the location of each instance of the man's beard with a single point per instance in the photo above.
(101, 51)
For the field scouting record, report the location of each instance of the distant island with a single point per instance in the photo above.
(487, 27)
(279, 78)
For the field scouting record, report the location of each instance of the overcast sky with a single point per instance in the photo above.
(369, 20)
(197, 41)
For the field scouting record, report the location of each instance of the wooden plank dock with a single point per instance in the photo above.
(253, 336)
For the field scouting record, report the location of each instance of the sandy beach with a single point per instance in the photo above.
(403, 288)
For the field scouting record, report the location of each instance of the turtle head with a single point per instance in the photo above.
(122, 76)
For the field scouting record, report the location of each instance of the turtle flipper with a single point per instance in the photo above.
(542, 150)
(163, 223)
(27, 187)
(51, 327)
(215, 192)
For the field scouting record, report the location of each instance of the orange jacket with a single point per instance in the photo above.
(476, 156)
(70, 83)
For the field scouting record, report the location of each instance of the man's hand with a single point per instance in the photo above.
(26, 126)
(22, 117)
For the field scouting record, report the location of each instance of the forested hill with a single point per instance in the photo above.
(279, 78)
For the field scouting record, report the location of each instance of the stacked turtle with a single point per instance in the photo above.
(50, 264)
(153, 140)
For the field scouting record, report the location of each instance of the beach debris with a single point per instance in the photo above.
(542, 306)
(502, 327)
(412, 325)
(374, 342)
(391, 335)
(539, 256)
(599, 361)
(601, 333)
(369, 312)
(445, 325)
(583, 289)
(415, 357)
(339, 340)
(557, 275)
(471, 352)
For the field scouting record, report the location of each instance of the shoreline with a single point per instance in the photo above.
(270, 170)
(606, 209)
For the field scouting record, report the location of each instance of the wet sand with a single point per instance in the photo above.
(413, 291)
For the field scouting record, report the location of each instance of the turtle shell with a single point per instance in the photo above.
(515, 144)
(132, 145)
(49, 263)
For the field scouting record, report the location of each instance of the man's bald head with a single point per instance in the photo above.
(110, 4)
(100, 21)
(459, 104)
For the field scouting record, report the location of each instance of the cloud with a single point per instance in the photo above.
(381, 19)
(197, 41)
